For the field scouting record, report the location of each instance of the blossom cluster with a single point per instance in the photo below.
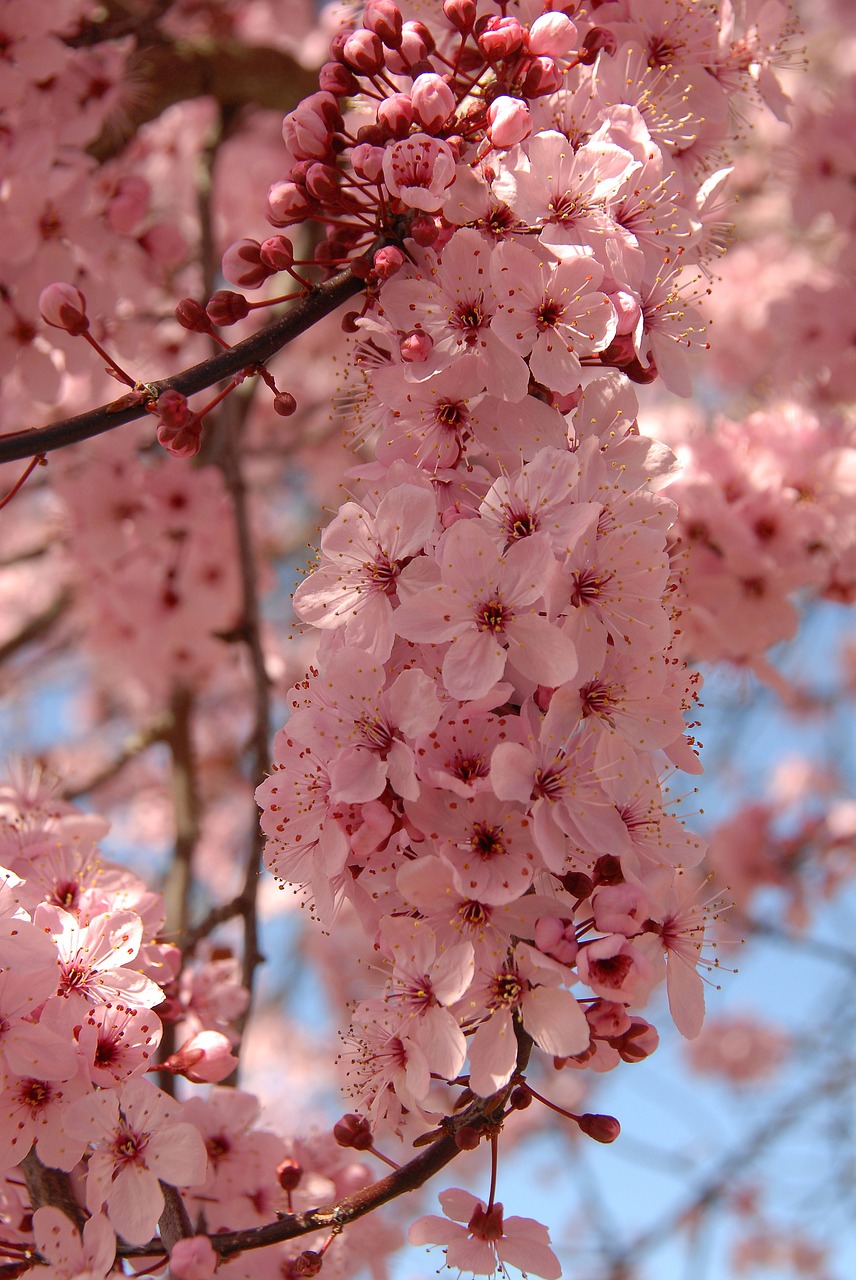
(475, 763)
(87, 988)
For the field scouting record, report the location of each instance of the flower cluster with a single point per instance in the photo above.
(475, 762)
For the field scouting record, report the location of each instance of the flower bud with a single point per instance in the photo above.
(387, 261)
(191, 315)
(433, 101)
(289, 1172)
(424, 229)
(322, 182)
(287, 202)
(335, 78)
(508, 121)
(284, 404)
(225, 307)
(207, 1057)
(602, 1128)
(308, 1263)
(363, 52)
(353, 1131)
(552, 34)
(277, 253)
(521, 1098)
(173, 409)
(415, 347)
(467, 1138)
(64, 307)
(243, 266)
(367, 161)
(416, 44)
(461, 14)
(395, 114)
(181, 441)
(500, 37)
(384, 19)
(541, 77)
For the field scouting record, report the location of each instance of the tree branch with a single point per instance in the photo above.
(256, 349)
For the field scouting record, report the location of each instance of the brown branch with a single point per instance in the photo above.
(258, 348)
(50, 1187)
(174, 1223)
(485, 1115)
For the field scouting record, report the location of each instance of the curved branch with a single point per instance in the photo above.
(256, 349)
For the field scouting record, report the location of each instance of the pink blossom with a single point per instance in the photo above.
(193, 1259)
(361, 561)
(552, 311)
(419, 170)
(138, 1140)
(70, 1257)
(491, 607)
(488, 1241)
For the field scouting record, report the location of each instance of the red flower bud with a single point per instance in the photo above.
(277, 253)
(287, 202)
(601, 1128)
(64, 307)
(353, 1131)
(191, 315)
(225, 307)
(309, 1263)
(500, 37)
(387, 261)
(284, 404)
(289, 1173)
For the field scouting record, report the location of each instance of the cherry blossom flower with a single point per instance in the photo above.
(361, 560)
(69, 1256)
(481, 1241)
(138, 1140)
(551, 312)
(491, 608)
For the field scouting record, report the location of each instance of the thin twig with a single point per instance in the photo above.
(256, 349)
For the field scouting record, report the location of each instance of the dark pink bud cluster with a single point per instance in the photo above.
(433, 111)
(179, 429)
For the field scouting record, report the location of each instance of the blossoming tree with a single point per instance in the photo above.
(490, 230)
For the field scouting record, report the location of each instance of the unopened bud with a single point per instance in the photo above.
(508, 121)
(415, 347)
(353, 1131)
(287, 202)
(225, 307)
(521, 1098)
(243, 266)
(284, 404)
(602, 1128)
(385, 20)
(309, 1263)
(182, 441)
(64, 307)
(395, 114)
(277, 253)
(424, 229)
(500, 37)
(363, 52)
(322, 182)
(552, 34)
(387, 261)
(433, 101)
(335, 78)
(289, 1172)
(191, 315)
(461, 14)
(467, 1138)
